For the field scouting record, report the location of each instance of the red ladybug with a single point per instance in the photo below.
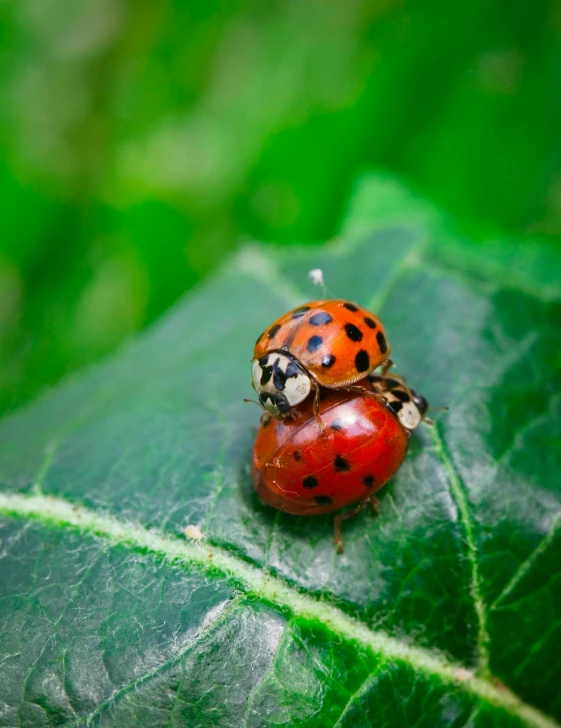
(300, 470)
(331, 344)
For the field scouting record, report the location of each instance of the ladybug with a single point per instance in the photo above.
(362, 447)
(330, 344)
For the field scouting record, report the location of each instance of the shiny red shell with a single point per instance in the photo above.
(300, 470)
(337, 342)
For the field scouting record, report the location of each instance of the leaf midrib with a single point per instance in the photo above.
(59, 513)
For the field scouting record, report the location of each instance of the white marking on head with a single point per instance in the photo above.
(280, 382)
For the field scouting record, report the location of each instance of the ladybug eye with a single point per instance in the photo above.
(420, 402)
(276, 404)
(281, 403)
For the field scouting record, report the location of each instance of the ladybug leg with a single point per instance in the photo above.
(345, 517)
(375, 503)
(321, 424)
(367, 393)
(388, 364)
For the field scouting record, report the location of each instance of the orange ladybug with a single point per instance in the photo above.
(363, 445)
(331, 344)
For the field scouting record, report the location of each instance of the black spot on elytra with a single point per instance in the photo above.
(273, 331)
(300, 312)
(314, 342)
(362, 361)
(336, 426)
(368, 481)
(321, 318)
(297, 455)
(259, 338)
(353, 332)
(350, 306)
(323, 500)
(328, 361)
(341, 464)
(309, 482)
(381, 339)
(370, 322)
(401, 395)
(395, 406)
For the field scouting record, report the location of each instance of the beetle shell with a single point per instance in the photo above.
(299, 470)
(337, 342)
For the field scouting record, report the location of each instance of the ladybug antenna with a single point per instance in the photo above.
(252, 401)
(431, 409)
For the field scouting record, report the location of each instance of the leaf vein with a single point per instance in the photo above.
(142, 680)
(529, 562)
(458, 491)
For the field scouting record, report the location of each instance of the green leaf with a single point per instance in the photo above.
(443, 611)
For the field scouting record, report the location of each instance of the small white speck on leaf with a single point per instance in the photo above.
(193, 532)
(462, 674)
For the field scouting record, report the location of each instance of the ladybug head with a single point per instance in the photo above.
(280, 382)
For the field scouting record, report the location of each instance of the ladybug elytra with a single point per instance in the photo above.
(301, 469)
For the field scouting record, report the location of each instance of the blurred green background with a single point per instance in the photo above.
(143, 141)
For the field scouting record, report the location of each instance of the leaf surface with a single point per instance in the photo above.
(443, 611)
